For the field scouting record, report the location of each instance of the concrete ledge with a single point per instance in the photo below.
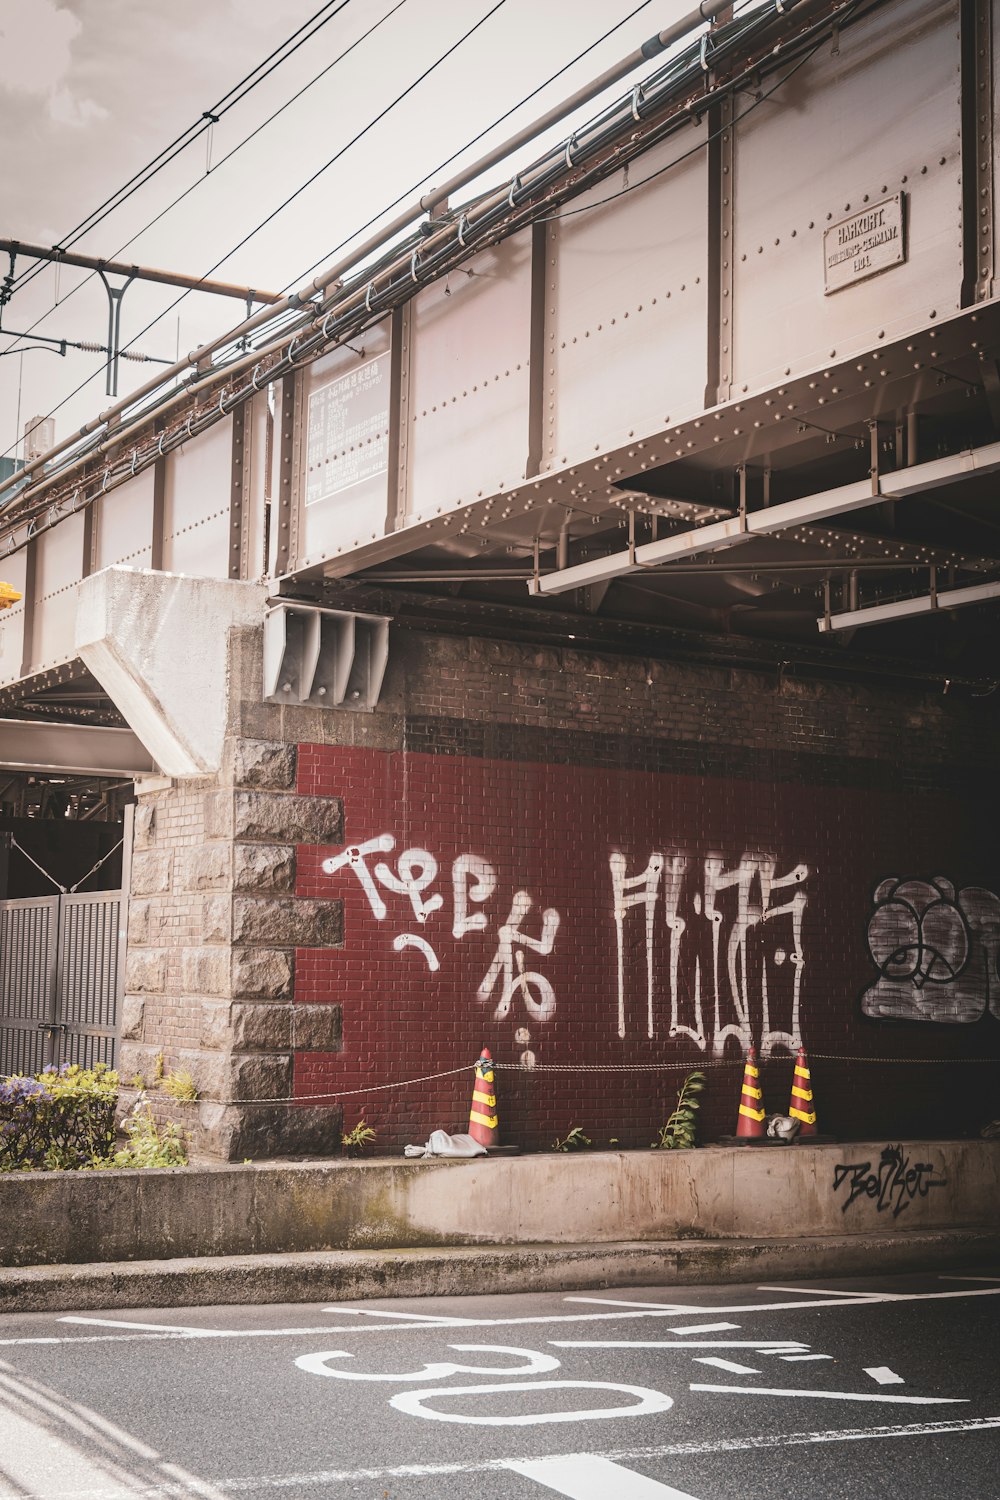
(594, 1197)
(347, 1276)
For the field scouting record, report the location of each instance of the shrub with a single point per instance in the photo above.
(180, 1085)
(61, 1118)
(149, 1144)
(679, 1131)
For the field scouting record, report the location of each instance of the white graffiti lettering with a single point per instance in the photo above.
(507, 959)
(725, 912)
(473, 882)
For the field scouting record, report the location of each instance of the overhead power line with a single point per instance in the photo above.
(292, 196)
(208, 118)
(199, 181)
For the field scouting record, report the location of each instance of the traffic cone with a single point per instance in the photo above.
(484, 1125)
(802, 1107)
(750, 1124)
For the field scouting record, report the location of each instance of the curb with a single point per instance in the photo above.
(357, 1275)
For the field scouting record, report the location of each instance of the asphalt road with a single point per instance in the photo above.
(878, 1389)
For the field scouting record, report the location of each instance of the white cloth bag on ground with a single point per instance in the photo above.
(443, 1144)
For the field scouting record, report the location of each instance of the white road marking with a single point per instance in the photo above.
(791, 1357)
(249, 1485)
(580, 1476)
(203, 1333)
(756, 1390)
(705, 1328)
(724, 1364)
(884, 1375)
(411, 1402)
(410, 1317)
(746, 1307)
(537, 1364)
(822, 1291)
(759, 1346)
(662, 1307)
(992, 1279)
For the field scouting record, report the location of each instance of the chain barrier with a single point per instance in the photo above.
(657, 1067)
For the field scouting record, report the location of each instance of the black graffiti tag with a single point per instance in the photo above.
(893, 1184)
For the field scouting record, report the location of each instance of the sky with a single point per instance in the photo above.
(92, 90)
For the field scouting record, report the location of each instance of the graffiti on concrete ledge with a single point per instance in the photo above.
(893, 1184)
(936, 952)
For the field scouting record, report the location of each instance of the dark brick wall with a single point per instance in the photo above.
(547, 764)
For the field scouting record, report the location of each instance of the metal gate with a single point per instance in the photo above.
(60, 962)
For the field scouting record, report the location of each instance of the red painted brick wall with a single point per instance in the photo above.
(550, 828)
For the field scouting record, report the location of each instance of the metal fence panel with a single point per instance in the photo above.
(28, 937)
(59, 981)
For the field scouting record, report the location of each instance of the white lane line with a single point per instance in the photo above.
(791, 1357)
(724, 1364)
(401, 1317)
(583, 1477)
(746, 1307)
(151, 1327)
(706, 1328)
(759, 1346)
(822, 1291)
(756, 1390)
(661, 1307)
(251, 1484)
(884, 1375)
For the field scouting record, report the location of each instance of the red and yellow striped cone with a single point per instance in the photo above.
(750, 1123)
(484, 1125)
(802, 1107)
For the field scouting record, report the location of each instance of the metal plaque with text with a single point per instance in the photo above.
(348, 430)
(865, 244)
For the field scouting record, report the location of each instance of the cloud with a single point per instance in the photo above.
(36, 42)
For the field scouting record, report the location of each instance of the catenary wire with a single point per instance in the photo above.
(387, 208)
(208, 118)
(282, 206)
(91, 276)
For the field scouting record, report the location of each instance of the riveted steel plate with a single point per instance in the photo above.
(124, 522)
(57, 572)
(467, 398)
(626, 303)
(874, 114)
(12, 571)
(196, 510)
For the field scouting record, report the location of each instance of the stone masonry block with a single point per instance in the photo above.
(217, 812)
(205, 971)
(318, 1028)
(266, 765)
(144, 827)
(207, 867)
(262, 1027)
(136, 1059)
(262, 972)
(216, 919)
(216, 1024)
(276, 817)
(285, 922)
(282, 1028)
(133, 1012)
(145, 923)
(145, 970)
(263, 868)
(260, 1076)
(151, 874)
